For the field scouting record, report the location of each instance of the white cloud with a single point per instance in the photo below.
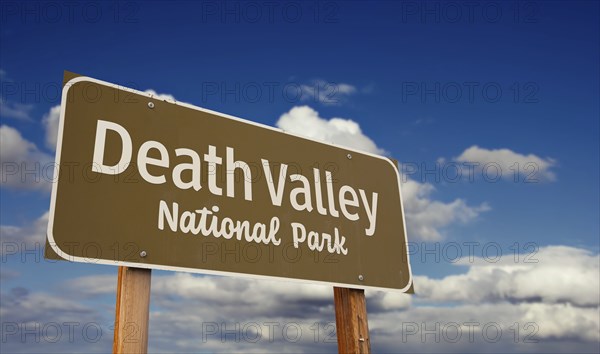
(13, 144)
(531, 167)
(425, 216)
(553, 302)
(487, 295)
(555, 274)
(15, 110)
(227, 302)
(50, 121)
(306, 121)
(495, 328)
(29, 237)
(160, 96)
(46, 322)
(244, 297)
(22, 164)
(35, 304)
(327, 93)
(385, 301)
(93, 285)
(547, 306)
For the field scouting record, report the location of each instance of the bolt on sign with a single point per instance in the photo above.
(150, 183)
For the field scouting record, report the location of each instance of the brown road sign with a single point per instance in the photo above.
(149, 183)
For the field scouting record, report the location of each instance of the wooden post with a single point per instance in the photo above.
(351, 321)
(132, 312)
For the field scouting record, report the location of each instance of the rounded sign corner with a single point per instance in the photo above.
(75, 80)
(409, 284)
(54, 246)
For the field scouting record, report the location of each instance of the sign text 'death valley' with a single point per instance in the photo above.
(156, 184)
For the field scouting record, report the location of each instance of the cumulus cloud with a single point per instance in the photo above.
(15, 110)
(32, 306)
(22, 164)
(93, 285)
(306, 121)
(45, 322)
(494, 328)
(425, 217)
(160, 96)
(327, 93)
(14, 238)
(191, 312)
(556, 274)
(547, 306)
(50, 122)
(385, 301)
(530, 167)
(13, 144)
(532, 305)
(245, 297)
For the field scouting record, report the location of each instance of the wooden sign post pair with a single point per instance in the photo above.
(133, 302)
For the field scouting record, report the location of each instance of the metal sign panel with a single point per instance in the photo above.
(149, 183)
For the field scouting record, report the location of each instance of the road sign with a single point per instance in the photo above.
(149, 183)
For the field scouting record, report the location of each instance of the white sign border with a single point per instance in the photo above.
(69, 257)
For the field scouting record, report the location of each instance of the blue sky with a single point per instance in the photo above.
(512, 82)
